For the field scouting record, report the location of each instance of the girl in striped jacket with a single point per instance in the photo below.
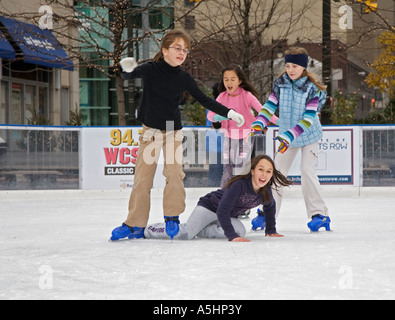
(299, 97)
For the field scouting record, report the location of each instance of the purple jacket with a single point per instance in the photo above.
(232, 202)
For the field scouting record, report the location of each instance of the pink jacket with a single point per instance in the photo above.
(241, 101)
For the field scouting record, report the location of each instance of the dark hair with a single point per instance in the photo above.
(245, 83)
(277, 180)
(169, 39)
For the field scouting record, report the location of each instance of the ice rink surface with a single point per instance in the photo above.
(53, 245)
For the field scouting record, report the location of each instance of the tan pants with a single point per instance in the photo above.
(151, 143)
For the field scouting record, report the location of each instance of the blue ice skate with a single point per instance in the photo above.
(319, 221)
(259, 221)
(125, 231)
(172, 226)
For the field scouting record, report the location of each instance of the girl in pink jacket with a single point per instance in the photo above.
(236, 93)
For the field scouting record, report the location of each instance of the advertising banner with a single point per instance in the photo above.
(337, 158)
(108, 157)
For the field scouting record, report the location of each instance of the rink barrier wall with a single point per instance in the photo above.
(102, 158)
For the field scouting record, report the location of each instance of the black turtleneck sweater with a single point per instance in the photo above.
(163, 87)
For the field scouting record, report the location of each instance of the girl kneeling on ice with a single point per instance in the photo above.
(215, 215)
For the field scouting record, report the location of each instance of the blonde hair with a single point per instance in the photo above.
(169, 39)
(312, 77)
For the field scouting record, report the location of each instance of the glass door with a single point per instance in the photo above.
(16, 113)
(30, 101)
(43, 102)
(3, 103)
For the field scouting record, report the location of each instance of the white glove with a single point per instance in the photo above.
(236, 117)
(128, 64)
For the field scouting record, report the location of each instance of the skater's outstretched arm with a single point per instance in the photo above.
(266, 114)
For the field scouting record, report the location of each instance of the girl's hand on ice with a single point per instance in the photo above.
(240, 239)
(275, 235)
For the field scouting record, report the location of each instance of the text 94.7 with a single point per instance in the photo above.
(117, 138)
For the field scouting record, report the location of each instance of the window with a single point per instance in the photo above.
(159, 18)
(190, 22)
(64, 106)
(190, 3)
(3, 102)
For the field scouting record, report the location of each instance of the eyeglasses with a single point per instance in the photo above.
(178, 49)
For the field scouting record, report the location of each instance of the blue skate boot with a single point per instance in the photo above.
(259, 221)
(172, 226)
(125, 231)
(319, 221)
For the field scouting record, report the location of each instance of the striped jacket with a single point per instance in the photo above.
(299, 102)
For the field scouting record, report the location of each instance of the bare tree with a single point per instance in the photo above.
(241, 32)
(251, 33)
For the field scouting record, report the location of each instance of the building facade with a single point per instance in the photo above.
(53, 90)
(98, 95)
(254, 34)
(37, 77)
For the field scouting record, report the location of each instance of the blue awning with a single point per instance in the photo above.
(38, 46)
(6, 50)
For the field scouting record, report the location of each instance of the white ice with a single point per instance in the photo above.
(53, 245)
